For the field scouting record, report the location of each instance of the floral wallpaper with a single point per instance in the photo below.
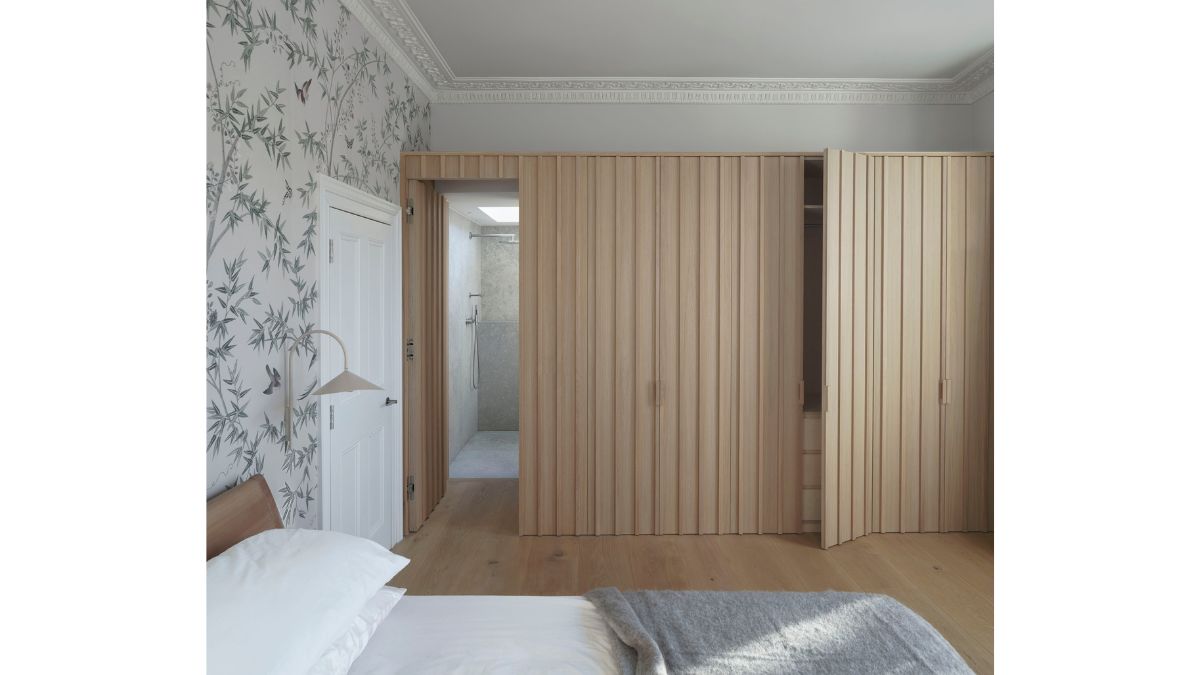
(296, 88)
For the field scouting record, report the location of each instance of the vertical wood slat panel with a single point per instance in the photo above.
(527, 434)
(858, 361)
(989, 355)
(727, 297)
(470, 166)
(874, 355)
(645, 415)
(953, 350)
(547, 171)
(830, 350)
(414, 380)
(565, 347)
(769, 279)
(625, 390)
(845, 451)
(689, 320)
(910, 345)
(584, 250)
(605, 376)
(489, 166)
(591, 380)
(510, 166)
(748, 448)
(791, 339)
(708, 411)
(668, 346)
(890, 410)
(441, 446)
(931, 343)
(977, 377)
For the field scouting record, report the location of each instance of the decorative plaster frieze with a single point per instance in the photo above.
(422, 61)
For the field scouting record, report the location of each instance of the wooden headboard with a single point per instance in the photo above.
(240, 512)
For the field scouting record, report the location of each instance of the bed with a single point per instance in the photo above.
(607, 631)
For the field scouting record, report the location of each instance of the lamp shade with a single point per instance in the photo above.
(347, 381)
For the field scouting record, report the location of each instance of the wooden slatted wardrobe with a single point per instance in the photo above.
(672, 338)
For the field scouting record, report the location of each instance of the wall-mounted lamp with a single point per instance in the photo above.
(346, 381)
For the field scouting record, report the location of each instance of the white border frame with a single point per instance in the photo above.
(333, 193)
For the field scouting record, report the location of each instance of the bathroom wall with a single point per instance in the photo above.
(464, 279)
(498, 333)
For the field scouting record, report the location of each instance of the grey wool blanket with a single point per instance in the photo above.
(760, 632)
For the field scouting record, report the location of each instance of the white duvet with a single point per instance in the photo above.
(489, 634)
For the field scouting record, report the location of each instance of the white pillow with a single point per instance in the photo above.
(277, 600)
(341, 654)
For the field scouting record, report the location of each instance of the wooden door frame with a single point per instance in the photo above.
(428, 168)
(334, 194)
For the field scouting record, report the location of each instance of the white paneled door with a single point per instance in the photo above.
(363, 438)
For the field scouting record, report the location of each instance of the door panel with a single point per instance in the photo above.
(425, 430)
(362, 427)
(926, 365)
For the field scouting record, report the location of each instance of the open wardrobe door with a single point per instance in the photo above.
(845, 475)
(426, 467)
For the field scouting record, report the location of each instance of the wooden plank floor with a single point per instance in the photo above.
(469, 546)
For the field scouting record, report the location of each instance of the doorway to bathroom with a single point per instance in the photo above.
(481, 328)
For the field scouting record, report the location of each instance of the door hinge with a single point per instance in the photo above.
(330, 250)
(410, 210)
(410, 488)
(944, 392)
(331, 417)
(800, 392)
(410, 350)
(658, 387)
(826, 398)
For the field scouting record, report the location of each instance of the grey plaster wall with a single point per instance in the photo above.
(498, 333)
(464, 278)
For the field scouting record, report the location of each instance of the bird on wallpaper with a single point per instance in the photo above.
(273, 380)
(302, 90)
(349, 143)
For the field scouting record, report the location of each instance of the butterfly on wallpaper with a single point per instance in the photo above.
(287, 194)
(272, 381)
(302, 90)
(349, 143)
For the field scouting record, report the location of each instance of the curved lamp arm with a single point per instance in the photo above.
(347, 381)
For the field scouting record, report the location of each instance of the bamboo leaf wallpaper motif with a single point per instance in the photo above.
(296, 88)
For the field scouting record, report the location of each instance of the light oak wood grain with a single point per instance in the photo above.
(921, 390)
(240, 512)
(660, 341)
(470, 546)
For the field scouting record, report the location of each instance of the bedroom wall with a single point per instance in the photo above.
(612, 127)
(464, 279)
(293, 91)
(983, 111)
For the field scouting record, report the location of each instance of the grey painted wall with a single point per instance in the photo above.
(612, 127)
(498, 334)
(985, 118)
(464, 279)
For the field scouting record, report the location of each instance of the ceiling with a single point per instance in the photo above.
(707, 38)
(670, 51)
(467, 204)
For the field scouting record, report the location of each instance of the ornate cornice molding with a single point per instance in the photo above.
(424, 63)
(384, 37)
